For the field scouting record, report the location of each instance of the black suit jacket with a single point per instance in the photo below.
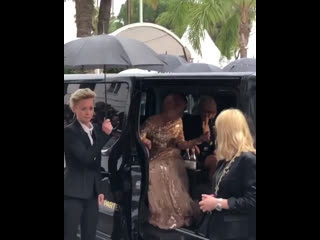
(192, 128)
(82, 176)
(239, 187)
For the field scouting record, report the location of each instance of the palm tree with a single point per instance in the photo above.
(228, 22)
(104, 16)
(88, 20)
(84, 12)
(178, 15)
(234, 35)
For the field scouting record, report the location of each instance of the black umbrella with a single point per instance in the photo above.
(107, 51)
(172, 62)
(197, 67)
(241, 65)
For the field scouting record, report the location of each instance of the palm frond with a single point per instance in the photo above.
(206, 15)
(177, 16)
(228, 38)
(164, 19)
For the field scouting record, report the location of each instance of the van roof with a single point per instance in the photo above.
(72, 77)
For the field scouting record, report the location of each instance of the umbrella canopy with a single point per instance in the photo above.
(241, 65)
(172, 62)
(197, 67)
(107, 51)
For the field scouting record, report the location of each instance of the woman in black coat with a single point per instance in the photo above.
(232, 206)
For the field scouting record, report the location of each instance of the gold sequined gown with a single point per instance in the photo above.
(169, 202)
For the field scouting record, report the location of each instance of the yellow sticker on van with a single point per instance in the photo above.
(110, 205)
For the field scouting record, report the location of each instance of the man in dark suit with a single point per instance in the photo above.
(193, 127)
(83, 142)
(196, 125)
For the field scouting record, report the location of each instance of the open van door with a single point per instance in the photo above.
(247, 101)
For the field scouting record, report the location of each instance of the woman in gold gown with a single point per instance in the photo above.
(169, 202)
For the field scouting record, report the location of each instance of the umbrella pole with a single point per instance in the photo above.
(105, 83)
(105, 90)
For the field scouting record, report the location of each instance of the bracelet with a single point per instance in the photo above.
(219, 205)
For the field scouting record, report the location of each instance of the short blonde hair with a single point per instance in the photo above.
(233, 135)
(80, 94)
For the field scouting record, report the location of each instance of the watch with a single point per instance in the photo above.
(219, 205)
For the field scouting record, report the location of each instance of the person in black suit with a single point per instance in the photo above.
(83, 142)
(196, 125)
(233, 202)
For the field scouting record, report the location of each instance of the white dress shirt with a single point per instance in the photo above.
(88, 131)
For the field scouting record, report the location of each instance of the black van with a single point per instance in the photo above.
(128, 100)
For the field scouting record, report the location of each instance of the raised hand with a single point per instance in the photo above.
(107, 126)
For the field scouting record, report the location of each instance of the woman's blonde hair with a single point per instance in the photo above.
(80, 94)
(233, 135)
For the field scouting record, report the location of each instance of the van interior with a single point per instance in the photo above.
(151, 101)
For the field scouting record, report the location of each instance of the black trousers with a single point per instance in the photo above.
(83, 212)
